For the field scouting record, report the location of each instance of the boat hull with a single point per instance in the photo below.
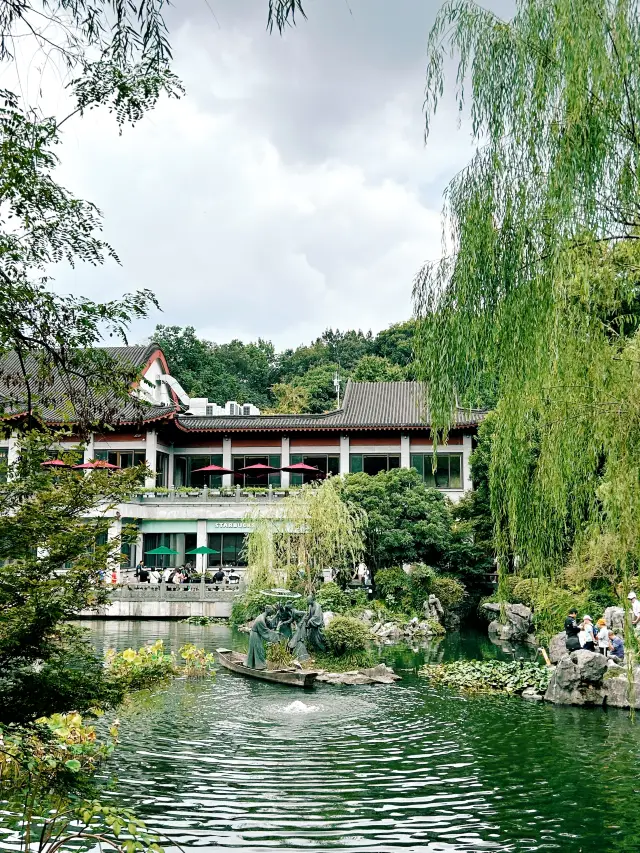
(235, 662)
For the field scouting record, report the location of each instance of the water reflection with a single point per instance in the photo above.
(230, 765)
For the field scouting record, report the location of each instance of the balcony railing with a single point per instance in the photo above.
(237, 494)
(171, 592)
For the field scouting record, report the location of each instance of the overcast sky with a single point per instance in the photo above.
(290, 189)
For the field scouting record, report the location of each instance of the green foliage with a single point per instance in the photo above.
(449, 590)
(310, 531)
(332, 598)
(474, 676)
(375, 368)
(247, 606)
(197, 662)
(407, 522)
(46, 783)
(345, 663)
(299, 380)
(407, 592)
(346, 636)
(279, 655)
(200, 620)
(541, 287)
(141, 669)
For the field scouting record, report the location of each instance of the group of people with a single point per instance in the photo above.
(301, 630)
(186, 573)
(594, 638)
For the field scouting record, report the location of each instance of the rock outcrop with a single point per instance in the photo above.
(558, 647)
(433, 609)
(518, 624)
(614, 617)
(578, 680)
(380, 674)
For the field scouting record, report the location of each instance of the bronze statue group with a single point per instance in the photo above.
(302, 630)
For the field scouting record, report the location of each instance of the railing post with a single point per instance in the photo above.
(163, 589)
(237, 492)
(202, 585)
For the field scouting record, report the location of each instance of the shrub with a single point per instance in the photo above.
(346, 635)
(355, 660)
(247, 607)
(392, 583)
(331, 597)
(449, 590)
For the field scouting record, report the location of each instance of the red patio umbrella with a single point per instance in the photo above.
(212, 469)
(99, 463)
(258, 468)
(302, 468)
(54, 463)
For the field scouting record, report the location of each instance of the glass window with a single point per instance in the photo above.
(186, 473)
(228, 548)
(373, 463)
(327, 464)
(151, 541)
(448, 473)
(256, 479)
(162, 469)
(4, 458)
(123, 458)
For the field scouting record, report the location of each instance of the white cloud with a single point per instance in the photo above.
(242, 229)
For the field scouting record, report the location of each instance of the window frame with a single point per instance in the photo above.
(424, 459)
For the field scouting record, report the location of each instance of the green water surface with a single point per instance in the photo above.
(234, 765)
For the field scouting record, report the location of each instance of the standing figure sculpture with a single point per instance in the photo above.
(284, 620)
(261, 633)
(315, 626)
(309, 635)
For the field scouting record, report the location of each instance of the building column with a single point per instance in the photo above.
(139, 555)
(226, 461)
(12, 452)
(405, 451)
(89, 451)
(344, 454)
(114, 532)
(285, 458)
(201, 539)
(151, 448)
(170, 482)
(467, 449)
(181, 559)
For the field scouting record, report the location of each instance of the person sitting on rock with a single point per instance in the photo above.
(617, 645)
(572, 630)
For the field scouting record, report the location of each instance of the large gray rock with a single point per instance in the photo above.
(591, 665)
(518, 624)
(621, 694)
(558, 647)
(433, 609)
(567, 687)
(614, 617)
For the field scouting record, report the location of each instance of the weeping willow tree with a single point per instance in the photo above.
(539, 283)
(310, 531)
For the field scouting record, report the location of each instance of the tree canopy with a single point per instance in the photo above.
(296, 380)
(539, 288)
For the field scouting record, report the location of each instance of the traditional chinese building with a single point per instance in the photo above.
(379, 426)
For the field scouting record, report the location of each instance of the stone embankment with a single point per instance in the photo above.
(513, 623)
(588, 678)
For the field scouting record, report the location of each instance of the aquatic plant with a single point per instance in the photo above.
(197, 662)
(46, 783)
(477, 676)
(141, 669)
(200, 620)
(279, 655)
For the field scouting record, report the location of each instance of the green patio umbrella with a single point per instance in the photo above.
(202, 550)
(161, 551)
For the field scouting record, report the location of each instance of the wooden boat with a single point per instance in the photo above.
(237, 662)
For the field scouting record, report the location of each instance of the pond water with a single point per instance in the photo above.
(238, 764)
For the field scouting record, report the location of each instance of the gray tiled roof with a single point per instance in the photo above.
(56, 405)
(366, 405)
